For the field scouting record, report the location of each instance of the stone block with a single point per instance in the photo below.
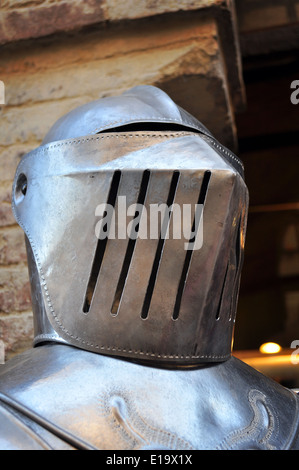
(15, 293)
(12, 246)
(267, 27)
(16, 333)
(43, 18)
(38, 18)
(183, 56)
(9, 160)
(6, 214)
(256, 15)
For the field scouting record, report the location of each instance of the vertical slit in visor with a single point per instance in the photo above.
(201, 201)
(130, 247)
(156, 263)
(101, 246)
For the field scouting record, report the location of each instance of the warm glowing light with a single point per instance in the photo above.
(270, 348)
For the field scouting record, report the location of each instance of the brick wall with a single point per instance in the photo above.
(257, 14)
(267, 26)
(49, 65)
(23, 19)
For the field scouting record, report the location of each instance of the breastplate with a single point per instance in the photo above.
(59, 397)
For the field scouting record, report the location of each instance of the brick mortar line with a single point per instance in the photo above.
(193, 38)
(24, 313)
(14, 267)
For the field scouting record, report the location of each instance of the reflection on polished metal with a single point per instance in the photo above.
(133, 335)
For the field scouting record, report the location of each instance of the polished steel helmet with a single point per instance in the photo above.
(104, 276)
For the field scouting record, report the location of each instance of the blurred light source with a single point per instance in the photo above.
(270, 348)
